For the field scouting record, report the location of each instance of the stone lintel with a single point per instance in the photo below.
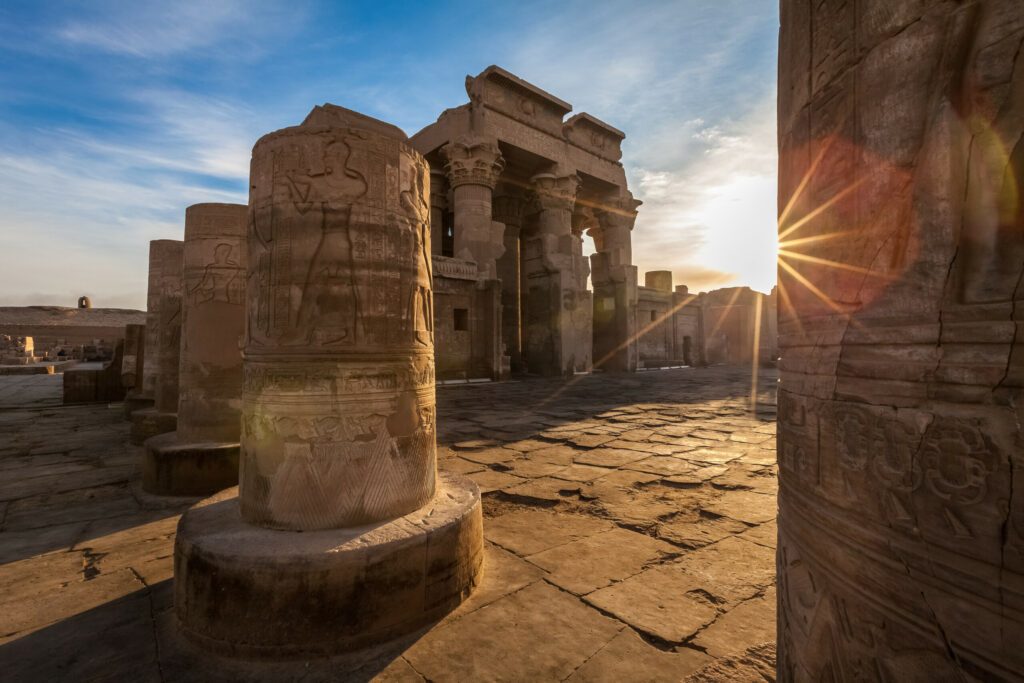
(505, 78)
(453, 268)
(594, 135)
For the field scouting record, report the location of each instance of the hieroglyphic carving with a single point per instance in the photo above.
(213, 320)
(221, 281)
(904, 176)
(414, 198)
(339, 185)
(338, 417)
(331, 445)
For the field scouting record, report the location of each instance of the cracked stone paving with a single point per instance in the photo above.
(629, 520)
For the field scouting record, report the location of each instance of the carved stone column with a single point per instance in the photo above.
(201, 456)
(338, 416)
(163, 339)
(552, 259)
(509, 211)
(901, 451)
(473, 167)
(615, 285)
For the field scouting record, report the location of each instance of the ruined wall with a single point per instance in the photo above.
(901, 522)
(654, 320)
(739, 326)
(687, 337)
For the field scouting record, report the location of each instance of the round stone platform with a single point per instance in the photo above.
(149, 422)
(248, 591)
(172, 468)
(133, 402)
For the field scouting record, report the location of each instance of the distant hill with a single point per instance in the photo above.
(60, 316)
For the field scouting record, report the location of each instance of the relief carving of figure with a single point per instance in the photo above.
(328, 307)
(413, 199)
(218, 281)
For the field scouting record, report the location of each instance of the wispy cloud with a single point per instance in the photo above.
(700, 123)
(712, 220)
(117, 115)
(79, 213)
(155, 30)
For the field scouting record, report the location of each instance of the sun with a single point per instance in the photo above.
(740, 236)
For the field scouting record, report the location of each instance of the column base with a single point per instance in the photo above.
(173, 468)
(133, 402)
(251, 592)
(149, 422)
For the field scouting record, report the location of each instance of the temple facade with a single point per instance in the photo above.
(515, 188)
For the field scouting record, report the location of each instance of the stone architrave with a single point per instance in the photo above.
(900, 446)
(473, 167)
(201, 456)
(338, 424)
(163, 336)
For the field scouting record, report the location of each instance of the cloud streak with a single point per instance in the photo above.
(126, 113)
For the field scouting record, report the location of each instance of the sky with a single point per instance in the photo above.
(115, 116)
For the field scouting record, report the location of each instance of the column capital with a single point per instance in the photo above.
(584, 220)
(472, 161)
(555, 192)
(618, 212)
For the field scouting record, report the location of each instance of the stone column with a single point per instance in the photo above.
(338, 417)
(157, 248)
(438, 207)
(163, 334)
(168, 356)
(508, 210)
(201, 456)
(615, 281)
(901, 452)
(473, 167)
(556, 284)
(133, 369)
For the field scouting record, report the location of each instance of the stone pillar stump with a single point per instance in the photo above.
(163, 336)
(341, 534)
(133, 368)
(201, 456)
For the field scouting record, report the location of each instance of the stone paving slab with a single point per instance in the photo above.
(630, 527)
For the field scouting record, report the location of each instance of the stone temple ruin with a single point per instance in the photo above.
(515, 190)
(607, 526)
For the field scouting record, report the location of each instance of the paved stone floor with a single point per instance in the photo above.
(630, 523)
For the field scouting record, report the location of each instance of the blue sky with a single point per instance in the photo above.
(115, 116)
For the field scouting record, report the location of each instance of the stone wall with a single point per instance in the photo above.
(740, 325)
